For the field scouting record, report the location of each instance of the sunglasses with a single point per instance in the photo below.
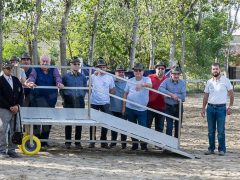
(137, 70)
(76, 64)
(161, 68)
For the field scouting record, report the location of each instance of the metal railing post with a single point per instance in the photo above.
(179, 122)
(89, 92)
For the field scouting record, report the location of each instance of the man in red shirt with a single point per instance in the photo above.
(156, 101)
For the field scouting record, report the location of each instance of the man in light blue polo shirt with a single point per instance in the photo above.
(136, 93)
(116, 104)
(176, 88)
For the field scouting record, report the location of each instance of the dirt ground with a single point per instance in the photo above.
(59, 163)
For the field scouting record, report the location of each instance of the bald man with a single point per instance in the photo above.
(44, 76)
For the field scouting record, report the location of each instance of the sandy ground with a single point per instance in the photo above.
(59, 163)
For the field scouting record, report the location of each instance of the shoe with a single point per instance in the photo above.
(13, 154)
(209, 152)
(68, 146)
(134, 148)
(124, 146)
(91, 145)
(221, 153)
(105, 145)
(144, 148)
(78, 146)
(3, 155)
(112, 145)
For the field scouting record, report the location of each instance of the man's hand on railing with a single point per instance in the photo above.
(60, 85)
(174, 96)
(30, 84)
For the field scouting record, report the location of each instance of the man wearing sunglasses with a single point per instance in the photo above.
(116, 104)
(156, 101)
(176, 89)
(102, 85)
(11, 96)
(73, 98)
(136, 92)
(44, 76)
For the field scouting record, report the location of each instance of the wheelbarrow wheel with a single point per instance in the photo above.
(27, 148)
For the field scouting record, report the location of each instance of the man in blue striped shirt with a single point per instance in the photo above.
(176, 89)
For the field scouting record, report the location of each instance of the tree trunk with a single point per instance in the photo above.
(183, 54)
(1, 29)
(35, 32)
(134, 35)
(94, 34)
(231, 25)
(63, 35)
(172, 61)
(151, 40)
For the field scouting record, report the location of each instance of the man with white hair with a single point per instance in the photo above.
(44, 76)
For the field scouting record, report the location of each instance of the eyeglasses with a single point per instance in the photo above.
(101, 67)
(137, 70)
(159, 68)
(76, 64)
(120, 71)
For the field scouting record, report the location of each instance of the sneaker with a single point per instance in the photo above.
(13, 154)
(209, 152)
(68, 146)
(91, 145)
(105, 145)
(78, 146)
(221, 153)
(112, 145)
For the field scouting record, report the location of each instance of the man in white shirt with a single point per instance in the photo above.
(215, 97)
(102, 85)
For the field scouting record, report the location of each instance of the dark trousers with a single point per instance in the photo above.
(173, 110)
(159, 120)
(42, 132)
(114, 133)
(77, 102)
(103, 108)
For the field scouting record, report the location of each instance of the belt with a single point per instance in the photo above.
(216, 105)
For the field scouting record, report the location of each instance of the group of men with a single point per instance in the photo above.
(137, 90)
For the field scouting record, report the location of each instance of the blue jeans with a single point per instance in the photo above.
(216, 118)
(137, 117)
(159, 120)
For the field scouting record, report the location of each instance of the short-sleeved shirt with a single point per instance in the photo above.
(156, 101)
(140, 97)
(218, 90)
(116, 104)
(101, 85)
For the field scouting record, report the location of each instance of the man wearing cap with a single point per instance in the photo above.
(44, 76)
(215, 97)
(17, 71)
(102, 85)
(176, 89)
(26, 60)
(156, 101)
(73, 98)
(136, 92)
(11, 97)
(116, 104)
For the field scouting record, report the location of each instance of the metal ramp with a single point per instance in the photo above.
(75, 116)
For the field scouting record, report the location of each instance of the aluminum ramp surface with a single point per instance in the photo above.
(78, 116)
